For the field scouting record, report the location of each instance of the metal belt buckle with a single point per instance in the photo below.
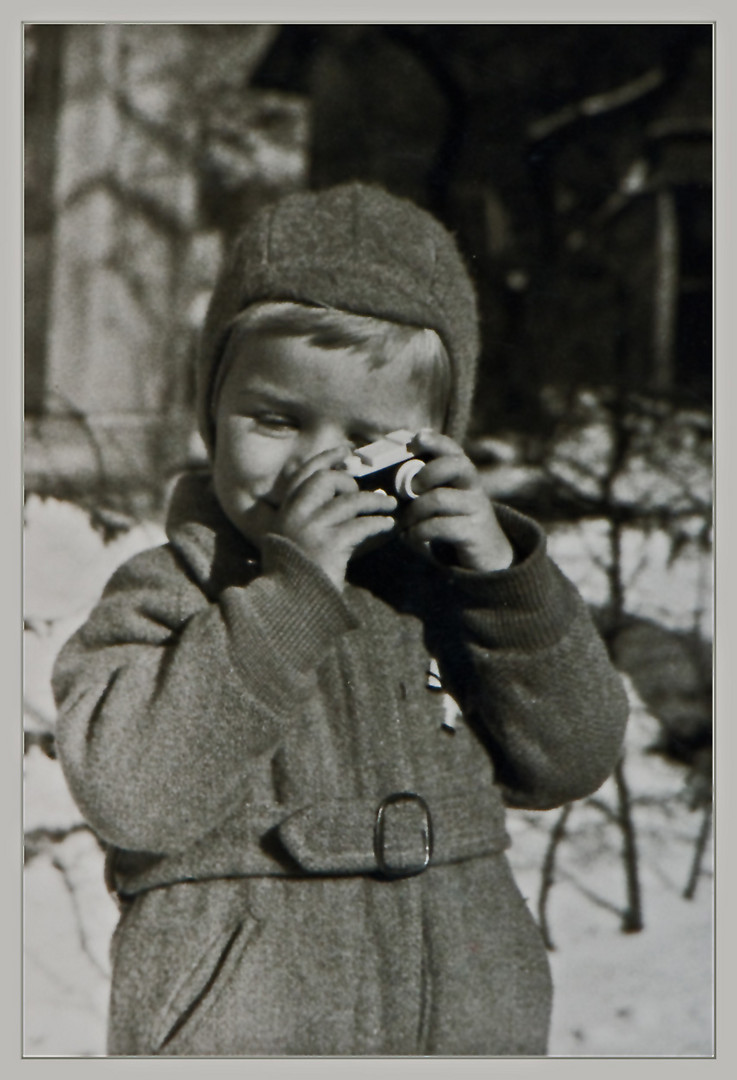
(427, 836)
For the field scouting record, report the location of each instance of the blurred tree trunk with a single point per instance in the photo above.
(161, 150)
(43, 49)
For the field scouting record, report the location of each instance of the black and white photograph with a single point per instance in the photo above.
(368, 555)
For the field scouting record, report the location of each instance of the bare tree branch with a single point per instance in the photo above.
(548, 872)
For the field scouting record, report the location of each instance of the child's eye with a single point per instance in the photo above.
(276, 422)
(362, 438)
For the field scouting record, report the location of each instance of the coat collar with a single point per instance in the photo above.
(198, 530)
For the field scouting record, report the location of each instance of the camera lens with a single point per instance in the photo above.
(394, 479)
(405, 474)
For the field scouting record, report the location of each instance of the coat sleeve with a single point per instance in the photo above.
(540, 684)
(165, 697)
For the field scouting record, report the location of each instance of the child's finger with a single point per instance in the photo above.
(327, 460)
(437, 503)
(434, 444)
(475, 534)
(352, 533)
(450, 470)
(329, 498)
(345, 507)
(449, 529)
(320, 486)
(443, 502)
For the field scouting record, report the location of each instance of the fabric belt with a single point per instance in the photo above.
(395, 836)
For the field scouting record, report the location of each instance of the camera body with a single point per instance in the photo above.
(386, 465)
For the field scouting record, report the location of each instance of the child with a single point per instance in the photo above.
(307, 844)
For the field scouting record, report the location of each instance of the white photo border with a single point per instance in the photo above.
(14, 15)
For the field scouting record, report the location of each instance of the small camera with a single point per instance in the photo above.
(386, 465)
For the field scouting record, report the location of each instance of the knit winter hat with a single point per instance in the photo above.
(357, 248)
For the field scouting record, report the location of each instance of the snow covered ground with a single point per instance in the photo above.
(631, 994)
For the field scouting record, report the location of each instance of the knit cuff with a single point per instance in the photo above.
(284, 622)
(528, 605)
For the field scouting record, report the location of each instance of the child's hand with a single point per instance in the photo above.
(452, 507)
(327, 517)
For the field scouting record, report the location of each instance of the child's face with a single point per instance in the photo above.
(282, 402)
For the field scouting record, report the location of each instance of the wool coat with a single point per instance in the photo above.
(308, 848)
